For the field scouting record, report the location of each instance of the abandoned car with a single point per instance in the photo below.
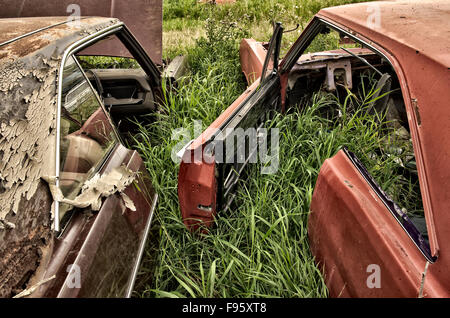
(76, 203)
(355, 228)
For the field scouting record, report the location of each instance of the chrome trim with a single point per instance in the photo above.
(80, 44)
(141, 248)
(31, 33)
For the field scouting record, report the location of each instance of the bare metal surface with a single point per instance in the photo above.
(176, 69)
(332, 67)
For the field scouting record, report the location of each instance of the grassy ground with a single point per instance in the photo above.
(260, 247)
(184, 20)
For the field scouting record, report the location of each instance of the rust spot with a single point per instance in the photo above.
(23, 48)
(21, 247)
(416, 110)
(12, 28)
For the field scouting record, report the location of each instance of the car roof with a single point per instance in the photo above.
(20, 37)
(13, 28)
(420, 25)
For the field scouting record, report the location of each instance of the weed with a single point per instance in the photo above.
(259, 247)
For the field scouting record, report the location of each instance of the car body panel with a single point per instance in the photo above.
(252, 55)
(104, 245)
(51, 40)
(146, 25)
(197, 190)
(351, 229)
(419, 53)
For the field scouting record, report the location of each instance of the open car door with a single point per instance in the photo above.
(102, 199)
(212, 164)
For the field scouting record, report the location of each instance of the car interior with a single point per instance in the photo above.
(120, 82)
(335, 65)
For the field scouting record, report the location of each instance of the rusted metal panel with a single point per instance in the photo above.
(176, 69)
(252, 55)
(21, 246)
(142, 17)
(197, 190)
(416, 25)
(51, 41)
(105, 243)
(197, 180)
(13, 28)
(350, 229)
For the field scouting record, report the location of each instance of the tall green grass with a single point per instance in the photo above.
(254, 11)
(255, 16)
(259, 247)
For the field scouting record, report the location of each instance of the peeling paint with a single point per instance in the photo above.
(27, 128)
(96, 188)
(30, 290)
(422, 283)
(129, 204)
(5, 225)
(28, 101)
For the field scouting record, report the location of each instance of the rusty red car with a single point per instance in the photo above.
(76, 203)
(355, 228)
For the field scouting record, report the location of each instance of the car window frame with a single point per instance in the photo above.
(117, 137)
(130, 42)
(274, 48)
